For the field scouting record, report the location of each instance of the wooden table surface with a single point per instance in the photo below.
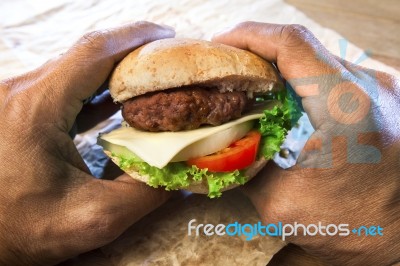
(370, 25)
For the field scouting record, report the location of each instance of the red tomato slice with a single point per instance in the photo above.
(239, 155)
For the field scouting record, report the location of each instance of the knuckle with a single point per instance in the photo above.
(5, 88)
(294, 33)
(100, 224)
(97, 40)
(16, 113)
(21, 97)
(294, 29)
(6, 84)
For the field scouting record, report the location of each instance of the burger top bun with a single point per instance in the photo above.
(200, 187)
(171, 63)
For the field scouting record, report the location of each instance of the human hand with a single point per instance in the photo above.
(348, 171)
(51, 207)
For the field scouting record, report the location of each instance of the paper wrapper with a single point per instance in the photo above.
(162, 237)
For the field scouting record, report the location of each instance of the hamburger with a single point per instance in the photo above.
(199, 116)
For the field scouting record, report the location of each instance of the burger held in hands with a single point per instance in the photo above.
(198, 115)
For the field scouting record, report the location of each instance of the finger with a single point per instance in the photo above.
(260, 186)
(268, 190)
(302, 60)
(97, 110)
(128, 200)
(104, 209)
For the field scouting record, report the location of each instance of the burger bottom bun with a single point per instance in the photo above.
(200, 187)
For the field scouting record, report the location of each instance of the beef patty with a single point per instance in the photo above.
(183, 109)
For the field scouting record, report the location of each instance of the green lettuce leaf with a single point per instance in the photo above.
(275, 124)
(179, 175)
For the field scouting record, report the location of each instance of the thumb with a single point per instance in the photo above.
(95, 212)
(269, 190)
(302, 60)
(129, 200)
(104, 209)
